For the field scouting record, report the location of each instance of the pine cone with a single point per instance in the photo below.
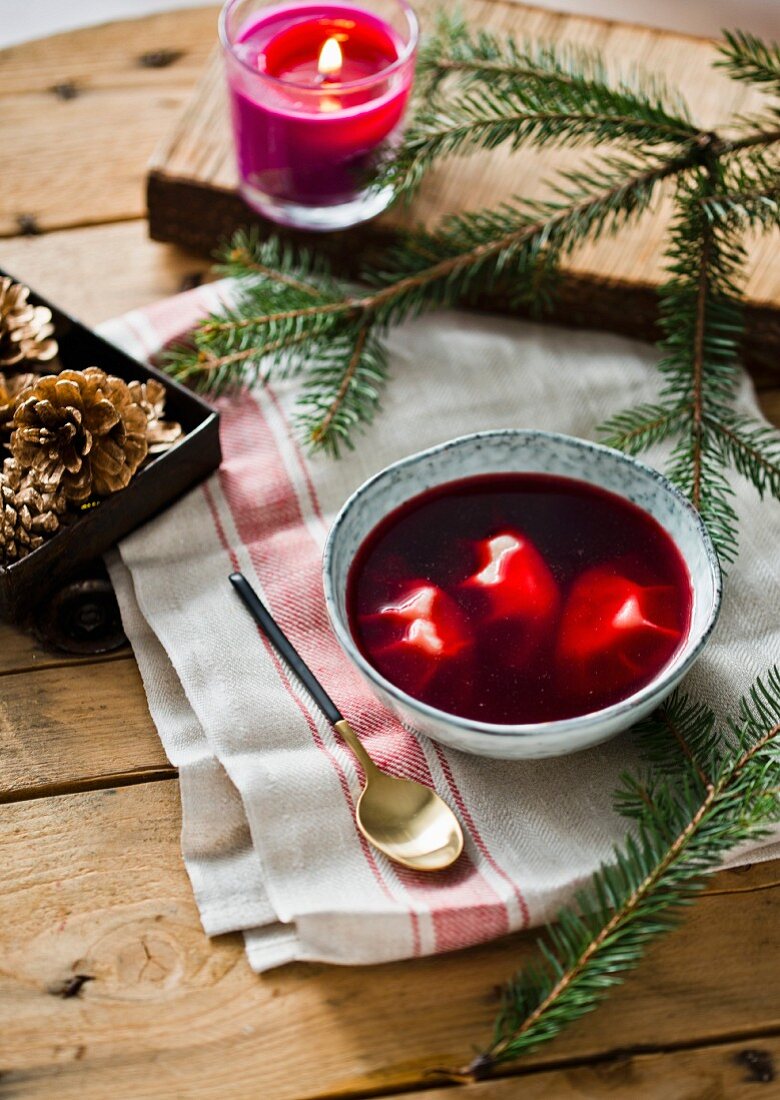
(26, 331)
(10, 391)
(81, 431)
(28, 515)
(160, 434)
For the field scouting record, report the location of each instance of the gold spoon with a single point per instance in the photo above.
(403, 819)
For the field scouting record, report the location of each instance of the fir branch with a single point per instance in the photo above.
(441, 268)
(684, 725)
(249, 254)
(284, 304)
(758, 208)
(701, 318)
(697, 471)
(342, 392)
(637, 429)
(302, 321)
(483, 57)
(454, 48)
(528, 114)
(752, 448)
(686, 820)
(764, 135)
(750, 195)
(747, 57)
(700, 308)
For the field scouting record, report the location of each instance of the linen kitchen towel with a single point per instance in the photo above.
(268, 790)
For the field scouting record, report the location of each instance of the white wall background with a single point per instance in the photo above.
(24, 19)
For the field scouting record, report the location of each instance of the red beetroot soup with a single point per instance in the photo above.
(518, 598)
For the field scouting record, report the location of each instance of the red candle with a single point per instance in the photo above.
(318, 92)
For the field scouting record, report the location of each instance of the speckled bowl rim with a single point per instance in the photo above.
(654, 691)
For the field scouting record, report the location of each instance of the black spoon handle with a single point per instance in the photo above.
(284, 647)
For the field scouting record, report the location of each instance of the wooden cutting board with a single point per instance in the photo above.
(192, 198)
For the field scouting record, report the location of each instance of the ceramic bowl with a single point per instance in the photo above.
(518, 452)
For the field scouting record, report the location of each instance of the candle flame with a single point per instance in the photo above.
(330, 59)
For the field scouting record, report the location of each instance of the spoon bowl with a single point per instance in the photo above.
(402, 818)
(409, 823)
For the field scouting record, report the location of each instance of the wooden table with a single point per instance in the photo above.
(91, 877)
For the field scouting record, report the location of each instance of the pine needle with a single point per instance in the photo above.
(747, 57)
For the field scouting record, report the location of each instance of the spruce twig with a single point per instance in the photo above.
(747, 57)
(521, 116)
(689, 810)
(701, 316)
(299, 322)
(480, 57)
(306, 319)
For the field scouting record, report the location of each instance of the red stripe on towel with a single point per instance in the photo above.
(160, 321)
(270, 523)
(466, 815)
(465, 909)
(249, 527)
(268, 515)
(315, 733)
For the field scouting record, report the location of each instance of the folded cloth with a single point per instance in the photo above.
(268, 789)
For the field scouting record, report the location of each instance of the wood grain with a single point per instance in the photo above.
(133, 271)
(75, 725)
(114, 55)
(21, 651)
(93, 884)
(732, 1070)
(105, 132)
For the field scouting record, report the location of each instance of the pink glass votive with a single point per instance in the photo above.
(317, 92)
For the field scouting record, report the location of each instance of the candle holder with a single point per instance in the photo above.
(318, 92)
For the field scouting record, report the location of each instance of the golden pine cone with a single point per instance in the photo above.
(10, 391)
(160, 434)
(26, 331)
(28, 515)
(81, 431)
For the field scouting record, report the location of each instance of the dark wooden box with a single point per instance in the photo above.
(159, 482)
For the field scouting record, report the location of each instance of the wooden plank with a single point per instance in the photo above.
(161, 52)
(192, 184)
(104, 126)
(76, 726)
(730, 1070)
(93, 884)
(102, 141)
(199, 149)
(18, 650)
(769, 401)
(21, 650)
(101, 271)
